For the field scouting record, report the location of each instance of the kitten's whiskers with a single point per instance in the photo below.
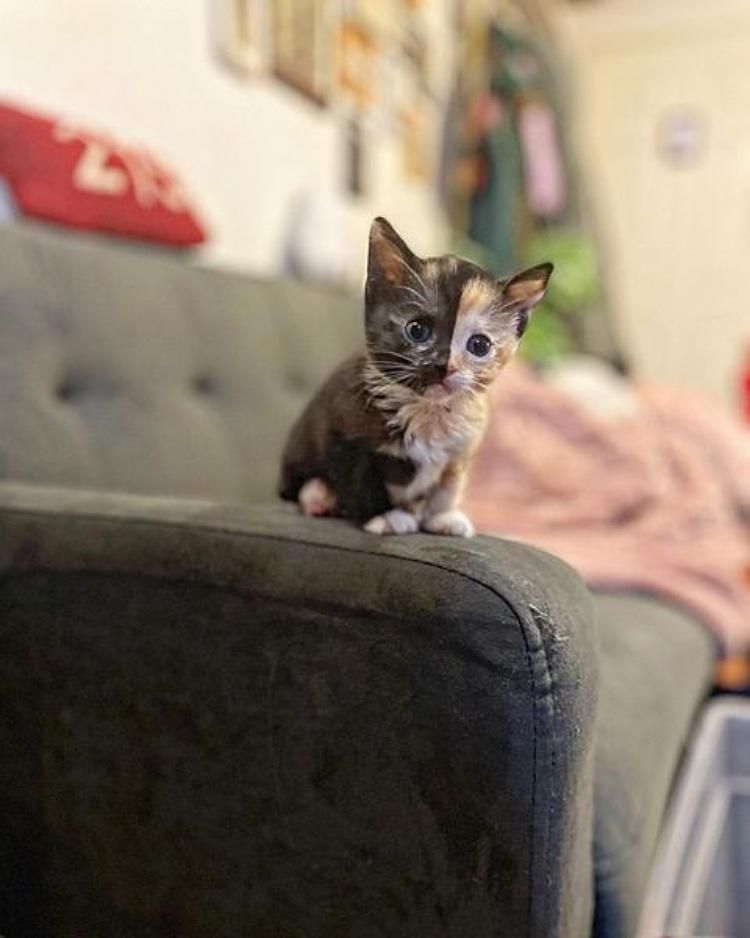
(414, 274)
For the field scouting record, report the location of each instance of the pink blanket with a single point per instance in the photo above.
(651, 502)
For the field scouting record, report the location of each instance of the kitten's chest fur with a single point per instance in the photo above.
(431, 436)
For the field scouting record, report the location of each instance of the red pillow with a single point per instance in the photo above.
(84, 179)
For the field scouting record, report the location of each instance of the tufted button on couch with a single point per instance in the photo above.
(218, 718)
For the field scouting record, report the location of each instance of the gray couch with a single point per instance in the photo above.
(219, 718)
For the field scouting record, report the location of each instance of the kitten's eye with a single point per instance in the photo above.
(479, 345)
(418, 331)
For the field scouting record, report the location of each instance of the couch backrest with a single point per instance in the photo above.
(122, 368)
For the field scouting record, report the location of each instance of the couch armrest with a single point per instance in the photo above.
(221, 718)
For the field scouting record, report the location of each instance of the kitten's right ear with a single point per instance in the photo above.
(389, 258)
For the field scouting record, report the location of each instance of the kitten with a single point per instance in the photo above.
(388, 438)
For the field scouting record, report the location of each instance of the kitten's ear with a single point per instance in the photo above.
(524, 290)
(389, 256)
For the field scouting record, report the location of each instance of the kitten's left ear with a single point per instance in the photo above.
(523, 291)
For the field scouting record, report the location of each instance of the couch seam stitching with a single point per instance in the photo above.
(510, 603)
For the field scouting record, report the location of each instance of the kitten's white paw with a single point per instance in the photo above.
(454, 523)
(395, 521)
(316, 498)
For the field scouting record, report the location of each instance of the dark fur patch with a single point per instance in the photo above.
(395, 471)
(353, 470)
(336, 439)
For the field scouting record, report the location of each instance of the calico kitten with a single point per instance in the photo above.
(388, 438)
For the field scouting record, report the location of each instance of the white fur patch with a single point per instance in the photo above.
(316, 498)
(395, 521)
(435, 430)
(440, 426)
(453, 523)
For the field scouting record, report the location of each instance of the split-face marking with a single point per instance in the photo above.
(442, 324)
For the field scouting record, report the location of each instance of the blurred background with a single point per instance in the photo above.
(612, 136)
(186, 189)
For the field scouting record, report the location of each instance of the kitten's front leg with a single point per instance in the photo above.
(453, 523)
(441, 514)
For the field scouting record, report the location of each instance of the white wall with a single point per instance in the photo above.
(143, 70)
(677, 238)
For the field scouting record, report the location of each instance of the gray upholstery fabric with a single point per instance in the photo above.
(656, 665)
(436, 698)
(122, 369)
(224, 721)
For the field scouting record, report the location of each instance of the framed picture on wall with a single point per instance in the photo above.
(356, 65)
(419, 139)
(301, 34)
(240, 31)
(380, 17)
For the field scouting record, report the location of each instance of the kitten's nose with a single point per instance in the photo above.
(449, 381)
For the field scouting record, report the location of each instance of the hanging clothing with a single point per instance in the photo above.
(544, 176)
(495, 207)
